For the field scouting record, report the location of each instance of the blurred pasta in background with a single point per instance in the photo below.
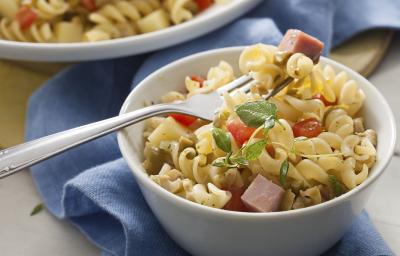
(57, 21)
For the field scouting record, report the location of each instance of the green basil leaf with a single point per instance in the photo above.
(283, 171)
(38, 208)
(222, 139)
(240, 160)
(255, 113)
(253, 151)
(337, 187)
(269, 123)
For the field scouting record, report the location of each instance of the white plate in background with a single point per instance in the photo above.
(211, 19)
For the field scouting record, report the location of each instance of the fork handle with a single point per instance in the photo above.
(27, 154)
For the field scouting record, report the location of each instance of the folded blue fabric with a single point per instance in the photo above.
(92, 186)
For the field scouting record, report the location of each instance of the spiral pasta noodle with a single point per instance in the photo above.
(205, 194)
(49, 9)
(299, 66)
(260, 59)
(180, 10)
(216, 77)
(8, 9)
(339, 122)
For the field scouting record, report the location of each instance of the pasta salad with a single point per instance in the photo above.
(306, 145)
(56, 21)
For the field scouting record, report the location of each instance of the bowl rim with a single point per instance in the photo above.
(140, 173)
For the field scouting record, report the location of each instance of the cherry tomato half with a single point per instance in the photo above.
(323, 99)
(89, 5)
(235, 203)
(184, 119)
(198, 79)
(239, 131)
(271, 150)
(203, 4)
(307, 128)
(25, 17)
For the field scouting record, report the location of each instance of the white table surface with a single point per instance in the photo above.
(43, 234)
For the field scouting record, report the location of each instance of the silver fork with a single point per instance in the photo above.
(27, 154)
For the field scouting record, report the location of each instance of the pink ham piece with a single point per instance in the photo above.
(262, 195)
(297, 41)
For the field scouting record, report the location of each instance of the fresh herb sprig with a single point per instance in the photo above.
(283, 171)
(254, 150)
(258, 113)
(38, 208)
(230, 161)
(223, 141)
(254, 114)
(242, 157)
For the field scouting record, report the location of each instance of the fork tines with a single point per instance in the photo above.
(242, 82)
(246, 82)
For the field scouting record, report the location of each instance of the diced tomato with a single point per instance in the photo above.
(89, 5)
(235, 204)
(270, 149)
(239, 131)
(198, 79)
(25, 17)
(184, 119)
(307, 128)
(323, 99)
(203, 4)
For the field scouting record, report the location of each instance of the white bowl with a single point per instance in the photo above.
(211, 19)
(207, 231)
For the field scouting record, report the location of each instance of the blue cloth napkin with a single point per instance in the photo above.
(92, 186)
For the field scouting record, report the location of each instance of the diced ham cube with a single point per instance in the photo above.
(297, 41)
(262, 195)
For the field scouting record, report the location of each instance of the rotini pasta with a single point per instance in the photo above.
(49, 9)
(216, 77)
(42, 32)
(260, 60)
(181, 10)
(8, 9)
(53, 21)
(315, 149)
